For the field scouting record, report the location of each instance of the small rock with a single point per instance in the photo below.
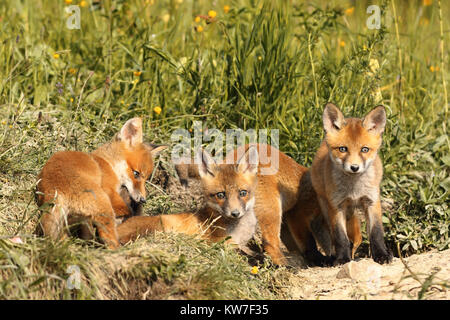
(363, 270)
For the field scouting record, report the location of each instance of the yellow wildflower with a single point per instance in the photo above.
(254, 270)
(71, 99)
(157, 109)
(68, 1)
(166, 18)
(342, 43)
(72, 70)
(226, 8)
(212, 14)
(349, 11)
(137, 73)
(427, 2)
(197, 19)
(434, 68)
(199, 29)
(56, 55)
(83, 4)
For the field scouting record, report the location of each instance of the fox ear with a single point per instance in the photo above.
(131, 132)
(375, 120)
(248, 163)
(156, 149)
(333, 119)
(205, 162)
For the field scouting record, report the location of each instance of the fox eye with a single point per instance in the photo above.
(136, 174)
(242, 193)
(220, 195)
(343, 149)
(364, 149)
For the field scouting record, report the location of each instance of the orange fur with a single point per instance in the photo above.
(84, 188)
(228, 210)
(346, 175)
(275, 194)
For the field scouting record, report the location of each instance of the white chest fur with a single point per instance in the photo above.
(354, 187)
(242, 230)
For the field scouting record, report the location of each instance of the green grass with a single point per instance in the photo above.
(261, 65)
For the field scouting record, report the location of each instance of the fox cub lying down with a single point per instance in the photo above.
(230, 193)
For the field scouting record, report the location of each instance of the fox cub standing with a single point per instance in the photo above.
(346, 175)
(229, 190)
(85, 188)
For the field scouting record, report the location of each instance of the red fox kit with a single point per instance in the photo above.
(346, 175)
(85, 187)
(230, 193)
(275, 194)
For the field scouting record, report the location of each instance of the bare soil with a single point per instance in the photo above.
(425, 276)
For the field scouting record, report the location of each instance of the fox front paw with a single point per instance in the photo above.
(382, 256)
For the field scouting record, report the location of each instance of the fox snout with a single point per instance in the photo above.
(139, 199)
(354, 167)
(235, 213)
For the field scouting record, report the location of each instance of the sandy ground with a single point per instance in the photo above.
(424, 276)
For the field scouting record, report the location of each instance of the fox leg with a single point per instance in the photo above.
(269, 220)
(354, 233)
(106, 227)
(299, 227)
(103, 218)
(378, 248)
(338, 230)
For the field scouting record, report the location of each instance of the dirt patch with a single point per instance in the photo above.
(424, 276)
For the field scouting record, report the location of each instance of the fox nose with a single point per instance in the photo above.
(142, 200)
(235, 213)
(354, 167)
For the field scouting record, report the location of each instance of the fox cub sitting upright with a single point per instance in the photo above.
(346, 175)
(85, 188)
(229, 190)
